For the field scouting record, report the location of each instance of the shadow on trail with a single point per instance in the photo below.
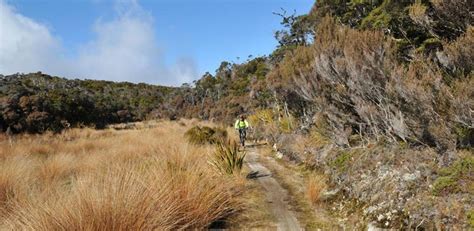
(256, 174)
(254, 145)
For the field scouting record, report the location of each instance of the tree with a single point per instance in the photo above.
(297, 30)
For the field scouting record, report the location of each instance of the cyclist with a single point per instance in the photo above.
(241, 125)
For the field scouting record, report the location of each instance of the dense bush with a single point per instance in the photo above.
(356, 83)
(206, 135)
(38, 102)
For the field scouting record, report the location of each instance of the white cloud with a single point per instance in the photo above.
(25, 45)
(123, 49)
(184, 71)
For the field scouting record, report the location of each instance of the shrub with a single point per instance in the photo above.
(458, 177)
(353, 79)
(287, 124)
(206, 135)
(459, 54)
(417, 12)
(227, 158)
(262, 123)
(342, 161)
(470, 216)
(261, 118)
(317, 139)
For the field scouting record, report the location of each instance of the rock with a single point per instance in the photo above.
(372, 227)
(380, 217)
(411, 176)
(327, 195)
(279, 155)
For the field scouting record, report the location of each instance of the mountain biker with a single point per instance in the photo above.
(242, 125)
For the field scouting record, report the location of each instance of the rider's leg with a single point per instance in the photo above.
(242, 136)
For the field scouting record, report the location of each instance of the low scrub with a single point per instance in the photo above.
(206, 135)
(459, 177)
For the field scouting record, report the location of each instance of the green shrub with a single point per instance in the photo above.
(341, 161)
(378, 18)
(430, 44)
(227, 158)
(206, 135)
(458, 177)
(470, 217)
(465, 136)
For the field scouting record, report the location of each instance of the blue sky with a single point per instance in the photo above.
(161, 42)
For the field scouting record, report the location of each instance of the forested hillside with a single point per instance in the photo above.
(38, 102)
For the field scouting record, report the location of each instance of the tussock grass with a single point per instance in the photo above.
(315, 185)
(140, 179)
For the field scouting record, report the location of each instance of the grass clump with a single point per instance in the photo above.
(318, 139)
(341, 161)
(206, 135)
(286, 124)
(227, 158)
(458, 177)
(315, 186)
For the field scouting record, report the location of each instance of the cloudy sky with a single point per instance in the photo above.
(166, 42)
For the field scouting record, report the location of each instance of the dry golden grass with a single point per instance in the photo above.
(315, 185)
(139, 179)
(417, 12)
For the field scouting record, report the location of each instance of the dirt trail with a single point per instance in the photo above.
(276, 195)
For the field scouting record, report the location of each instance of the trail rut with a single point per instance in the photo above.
(276, 195)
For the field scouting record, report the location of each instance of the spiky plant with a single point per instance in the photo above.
(227, 158)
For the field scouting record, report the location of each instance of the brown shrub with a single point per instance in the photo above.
(356, 84)
(460, 54)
